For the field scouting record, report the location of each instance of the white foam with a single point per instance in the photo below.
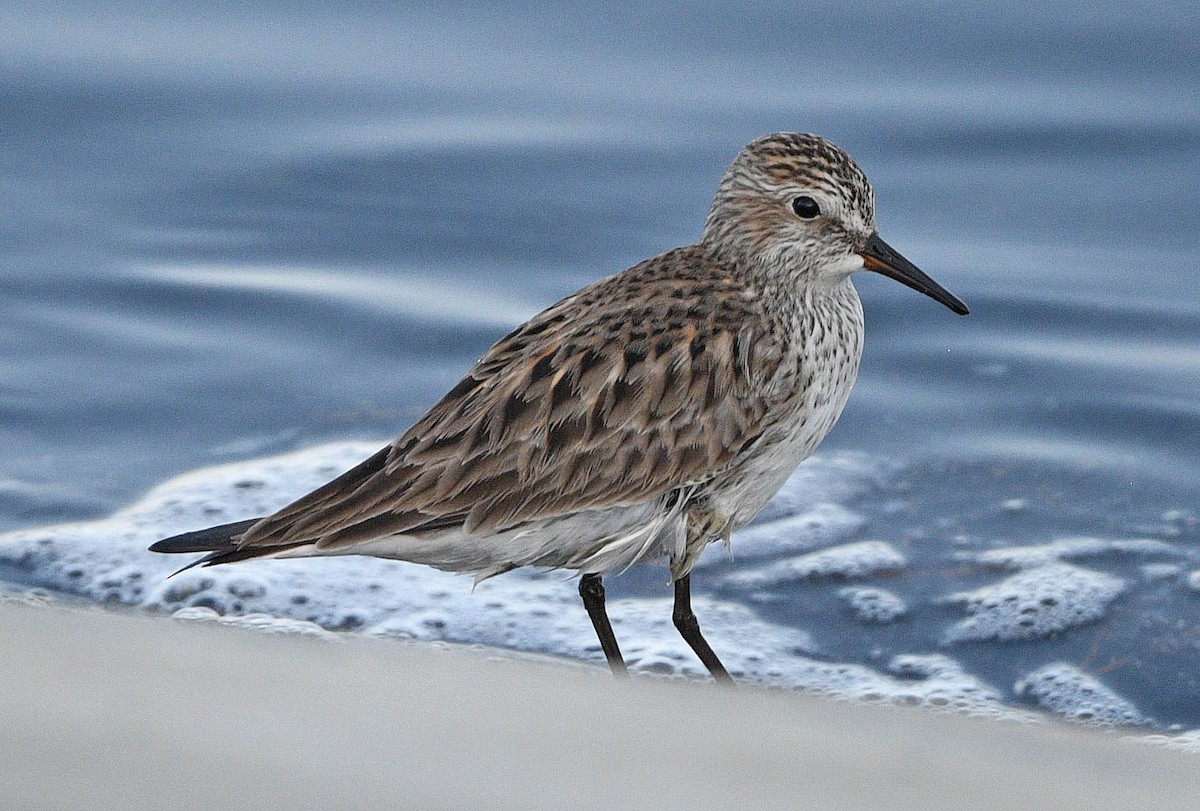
(256, 622)
(847, 560)
(873, 604)
(944, 683)
(1034, 603)
(1023, 557)
(1065, 690)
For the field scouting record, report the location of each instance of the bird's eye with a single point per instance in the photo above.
(805, 207)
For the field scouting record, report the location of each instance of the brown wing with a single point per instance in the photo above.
(642, 383)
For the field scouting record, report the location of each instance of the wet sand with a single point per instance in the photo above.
(107, 711)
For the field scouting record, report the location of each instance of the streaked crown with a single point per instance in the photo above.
(758, 214)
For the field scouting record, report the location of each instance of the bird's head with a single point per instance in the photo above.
(798, 204)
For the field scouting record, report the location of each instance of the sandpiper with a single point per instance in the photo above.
(641, 418)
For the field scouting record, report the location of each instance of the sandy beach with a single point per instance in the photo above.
(112, 711)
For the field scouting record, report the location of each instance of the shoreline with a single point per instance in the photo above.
(104, 710)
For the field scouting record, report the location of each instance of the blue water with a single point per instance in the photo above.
(228, 231)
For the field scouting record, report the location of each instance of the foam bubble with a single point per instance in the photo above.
(873, 604)
(945, 684)
(1065, 690)
(1034, 603)
(847, 560)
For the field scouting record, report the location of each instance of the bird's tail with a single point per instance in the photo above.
(220, 544)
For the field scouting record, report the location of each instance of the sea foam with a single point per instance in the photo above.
(1075, 695)
(1033, 603)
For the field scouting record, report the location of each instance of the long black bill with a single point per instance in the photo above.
(881, 258)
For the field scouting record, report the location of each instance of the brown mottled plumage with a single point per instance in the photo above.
(640, 418)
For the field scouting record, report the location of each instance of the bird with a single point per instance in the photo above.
(637, 420)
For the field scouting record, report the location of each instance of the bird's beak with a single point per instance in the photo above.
(881, 258)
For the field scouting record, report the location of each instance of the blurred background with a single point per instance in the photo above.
(230, 229)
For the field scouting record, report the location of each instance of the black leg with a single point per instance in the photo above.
(591, 589)
(689, 629)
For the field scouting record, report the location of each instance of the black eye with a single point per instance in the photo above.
(805, 207)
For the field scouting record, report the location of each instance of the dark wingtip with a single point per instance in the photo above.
(213, 539)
